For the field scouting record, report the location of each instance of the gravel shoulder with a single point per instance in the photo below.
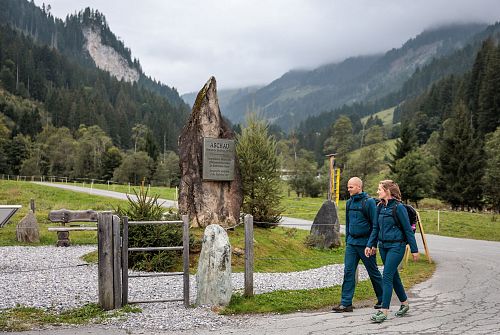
(56, 278)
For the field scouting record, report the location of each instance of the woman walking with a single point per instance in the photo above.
(393, 231)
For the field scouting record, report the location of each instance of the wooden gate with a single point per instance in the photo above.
(185, 257)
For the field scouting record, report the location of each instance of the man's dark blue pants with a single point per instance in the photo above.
(353, 253)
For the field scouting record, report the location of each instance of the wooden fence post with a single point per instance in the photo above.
(248, 255)
(108, 248)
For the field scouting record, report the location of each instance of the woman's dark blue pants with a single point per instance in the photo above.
(391, 257)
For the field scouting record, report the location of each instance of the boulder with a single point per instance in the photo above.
(206, 201)
(325, 230)
(213, 279)
(27, 229)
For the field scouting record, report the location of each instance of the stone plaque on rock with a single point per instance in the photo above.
(218, 159)
(325, 230)
(213, 279)
(208, 200)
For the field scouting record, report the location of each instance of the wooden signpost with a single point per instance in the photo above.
(424, 241)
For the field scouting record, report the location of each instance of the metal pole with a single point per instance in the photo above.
(117, 283)
(125, 261)
(185, 256)
(438, 220)
(249, 261)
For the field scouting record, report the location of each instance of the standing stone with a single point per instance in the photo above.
(325, 230)
(27, 229)
(213, 279)
(206, 202)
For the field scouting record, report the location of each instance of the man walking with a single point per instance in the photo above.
(361, 212)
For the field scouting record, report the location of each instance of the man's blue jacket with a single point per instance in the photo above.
(359, 219)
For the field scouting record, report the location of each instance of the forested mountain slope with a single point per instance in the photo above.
(299, 94)
(48, 60)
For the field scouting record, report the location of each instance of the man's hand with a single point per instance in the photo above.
(374, 251)
(415, 256)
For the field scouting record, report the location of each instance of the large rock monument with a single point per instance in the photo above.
(210, 189)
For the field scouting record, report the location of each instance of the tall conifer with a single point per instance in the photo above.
(461, 162)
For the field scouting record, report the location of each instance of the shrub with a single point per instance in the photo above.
(148, 209)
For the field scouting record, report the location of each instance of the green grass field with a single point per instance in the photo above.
(164, 192)
(452, 223)
(285, 246)
(47, 199)
(385, 115)
(301, 300)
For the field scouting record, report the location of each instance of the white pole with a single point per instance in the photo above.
(438, 220)
(128, 187)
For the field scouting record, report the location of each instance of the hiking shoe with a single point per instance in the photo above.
(403, 310)
(342, 309)
(379, 317)
(378, 305)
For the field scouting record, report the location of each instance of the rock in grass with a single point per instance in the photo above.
(325, 230)
(27, 229)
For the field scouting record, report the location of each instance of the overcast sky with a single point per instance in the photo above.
(247, 42)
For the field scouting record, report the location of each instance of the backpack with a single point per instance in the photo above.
(412, 214)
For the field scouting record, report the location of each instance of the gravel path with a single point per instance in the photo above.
(56, 278)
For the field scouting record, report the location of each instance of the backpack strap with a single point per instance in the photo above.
(396, 219)
(363, 208)
(347, 205)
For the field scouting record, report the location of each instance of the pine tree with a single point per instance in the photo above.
(477, 76)
(341, 141)
(488, 105)
(259, 167)
(461, 162)
(404, 145)
(492, 170)
(414, 176)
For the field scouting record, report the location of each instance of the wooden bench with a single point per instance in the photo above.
(65, 216)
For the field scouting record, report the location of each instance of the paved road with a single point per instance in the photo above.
(463, 297)
(104, 193)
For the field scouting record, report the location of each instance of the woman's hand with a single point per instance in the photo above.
(368, 251)
(374, 251)
(415, 256)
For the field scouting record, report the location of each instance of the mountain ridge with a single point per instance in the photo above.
(352, 80)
